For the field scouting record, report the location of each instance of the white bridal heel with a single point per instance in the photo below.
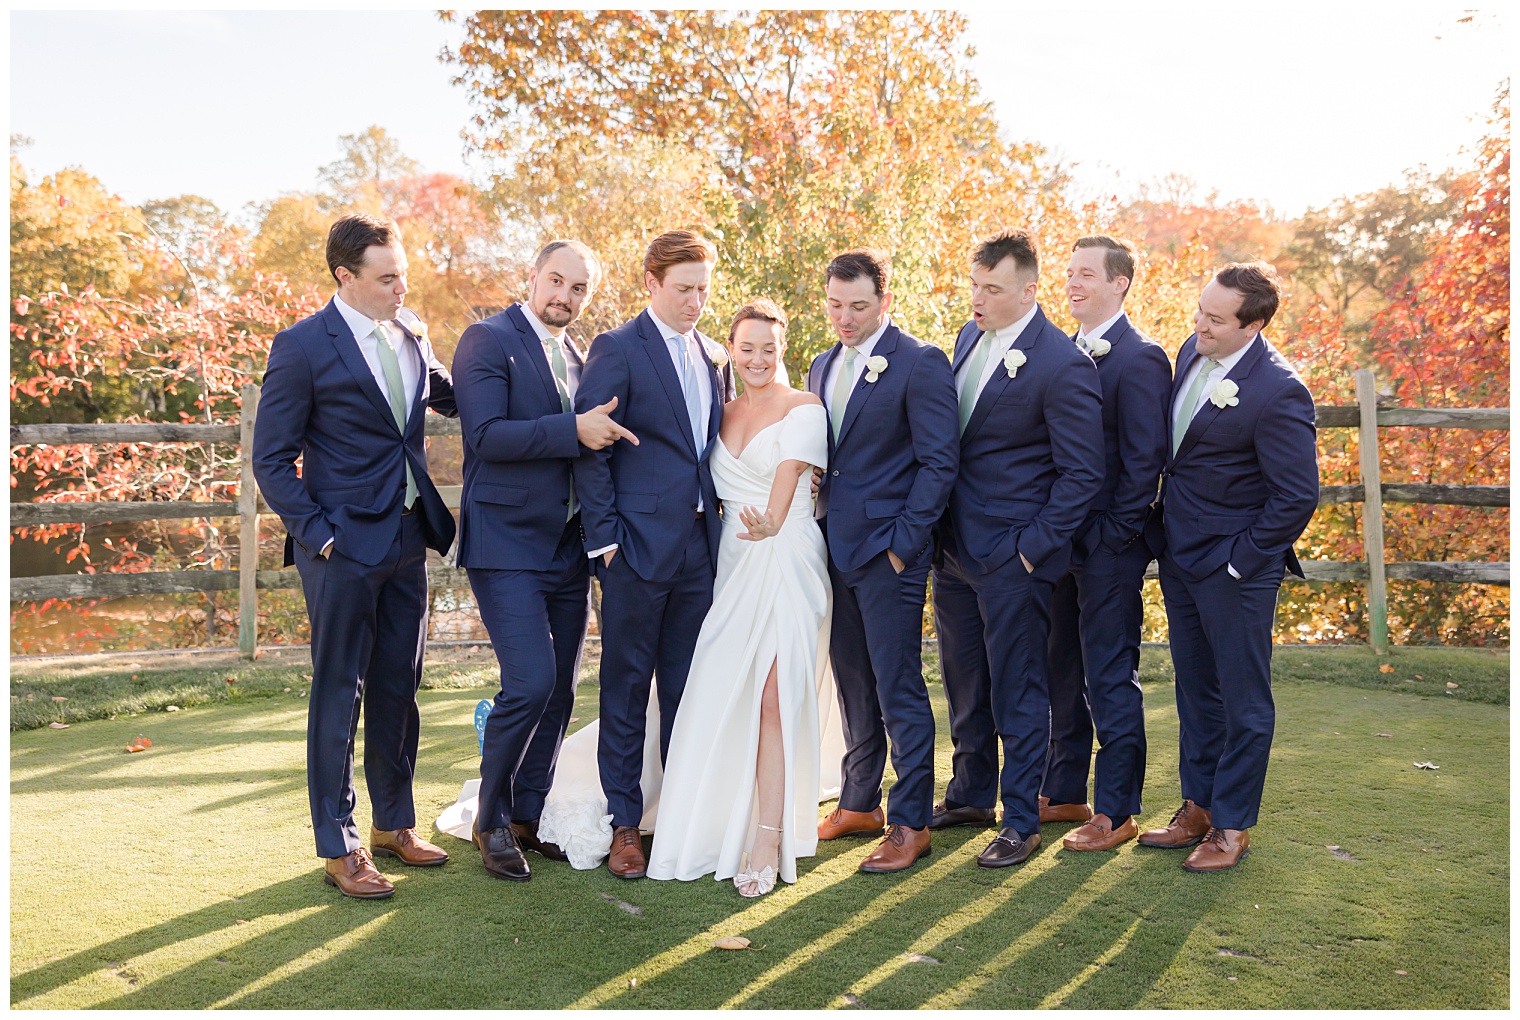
(764, 880)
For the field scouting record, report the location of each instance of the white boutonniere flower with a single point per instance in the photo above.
(1013, 361)
(875, 366)
(1224, 393)
(1098, 346)
(715, 353)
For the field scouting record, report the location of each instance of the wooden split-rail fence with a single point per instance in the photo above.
(1366, 417)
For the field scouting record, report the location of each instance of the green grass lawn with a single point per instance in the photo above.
(184, 876)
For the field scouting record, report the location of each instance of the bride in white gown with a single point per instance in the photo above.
(757, 741)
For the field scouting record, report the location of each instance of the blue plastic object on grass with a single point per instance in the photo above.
(482, 712)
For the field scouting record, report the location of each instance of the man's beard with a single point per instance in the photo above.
(555, 315)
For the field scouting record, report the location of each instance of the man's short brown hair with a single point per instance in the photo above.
(761, 309)
(858, 262)
(1118, 256)
(351, 236)
(1259, 287)
(1018, 245)
(677, 247)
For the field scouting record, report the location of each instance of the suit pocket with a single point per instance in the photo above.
(637, 502)
(881, 509)
(360, 495)
(1219, 524)
(502, 495)
(1013, 509)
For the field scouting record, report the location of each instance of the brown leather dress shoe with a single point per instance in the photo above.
(500, 853)
(355, 876)
(1007, 849)
(627, 857)
(408, 846)
(1189, 825)
(840, 822)
(1220, 849)
(902, 847)
(1063, 812)
(527, 838)
(944, 817)
(1100, 834)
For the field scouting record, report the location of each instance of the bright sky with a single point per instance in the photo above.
(239, 106)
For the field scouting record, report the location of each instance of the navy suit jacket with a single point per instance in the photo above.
(892, 468)
(1245, 481)
(1031, 455)
(1136, 379)
(644, 498)
(519, 444)
(320, 402)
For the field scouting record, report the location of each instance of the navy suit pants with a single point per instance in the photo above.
(1221, 636)
(876, 642)
(1094, 660)
(368, 631)
(649, 632)
(537, 623)
(993, 630)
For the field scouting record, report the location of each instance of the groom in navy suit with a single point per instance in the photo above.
(346, 390)
(1239, 487)
(650, 515)
(515, 378)
(892, 461)
(1096, 609)
(1031, 445)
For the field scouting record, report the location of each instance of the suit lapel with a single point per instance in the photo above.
(886, 346)
(715, 387)
(1205, 417)
(353, 360)
(534, 349)
(1000, 379)
(963, 346)
(659, 356)
(818, 375)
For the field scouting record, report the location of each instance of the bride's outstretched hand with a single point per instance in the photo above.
(759, 524)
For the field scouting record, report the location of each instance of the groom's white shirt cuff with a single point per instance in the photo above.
(603, 551)
(1233, 572)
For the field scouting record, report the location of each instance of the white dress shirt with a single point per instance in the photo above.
(1083, 332)
(547, 336)
(863, 351)
(364, 332)
(1226, 363)
(1002, 342)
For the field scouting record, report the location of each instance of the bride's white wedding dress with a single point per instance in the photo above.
(770, 604)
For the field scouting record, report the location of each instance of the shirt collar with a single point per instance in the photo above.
(361, 324)
(1010, 334)
(667, 332)
(864, 349)
(544, 333)
(1230, 361)
(1083, 333)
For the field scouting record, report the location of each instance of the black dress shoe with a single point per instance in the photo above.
(1007, 848)
(945, 816)
(501, 855)
(527, 838)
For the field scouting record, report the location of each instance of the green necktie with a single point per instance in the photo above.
(562, 384)
(974, 368)
(1190, 404)
(391, 366)
(842, 387)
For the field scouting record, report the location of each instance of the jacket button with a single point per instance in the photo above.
(836, 474)
(565, 501)
(694, 506)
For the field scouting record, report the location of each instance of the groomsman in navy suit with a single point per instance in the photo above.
(346, 390)
(1239, 487)
(1031, 444)
(892, 461)
(650, 515)
(515, 378)
(1096, 609)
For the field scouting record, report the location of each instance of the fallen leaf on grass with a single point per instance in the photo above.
(731, 942)
(921, 958)
(287, 690)
(172, 708)
(633, 982)
(1402, 973)
(232, 679)
(1418, 677)
(66, 699)
(1340, 854)
(1449, 686)
(1230, 978)
(621, 905)
(850, 1000)
(1385, 668)
(1382, 734)
(1427, 765)
(140, 744)
(58, 725)
(241, 921)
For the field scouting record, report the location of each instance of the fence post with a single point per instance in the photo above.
(248, 537)
(1372, 511)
